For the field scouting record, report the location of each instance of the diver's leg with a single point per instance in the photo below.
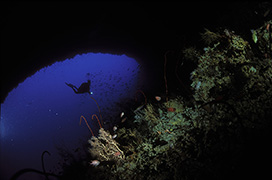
(70, 85)
(73, 87)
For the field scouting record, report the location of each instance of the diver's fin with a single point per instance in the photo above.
(70, 85)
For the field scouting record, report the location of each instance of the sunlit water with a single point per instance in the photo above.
(42, 113)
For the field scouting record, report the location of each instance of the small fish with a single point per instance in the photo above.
(171, 109)
(94, 163)
(114, 128)
(122, 114)
(158, 98)
(123, 120)
(114, 136)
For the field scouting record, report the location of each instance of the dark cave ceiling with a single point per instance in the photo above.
(34, 35)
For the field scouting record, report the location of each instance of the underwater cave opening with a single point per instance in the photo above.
(42, 113)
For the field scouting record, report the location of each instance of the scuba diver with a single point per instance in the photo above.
(83, 88)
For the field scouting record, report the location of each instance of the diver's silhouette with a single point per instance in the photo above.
(83, 88)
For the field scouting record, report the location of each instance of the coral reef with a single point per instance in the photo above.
(104, 147)
(200, 137)
(227, 68)
(232, 95)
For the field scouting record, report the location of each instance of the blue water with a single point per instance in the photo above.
(43, 113)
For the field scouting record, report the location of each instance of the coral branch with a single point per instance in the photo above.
(46, 175)
(142, 94)
(98, 109)
(165, 79)
(27, 170)
(97, 119)
(86, 124)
